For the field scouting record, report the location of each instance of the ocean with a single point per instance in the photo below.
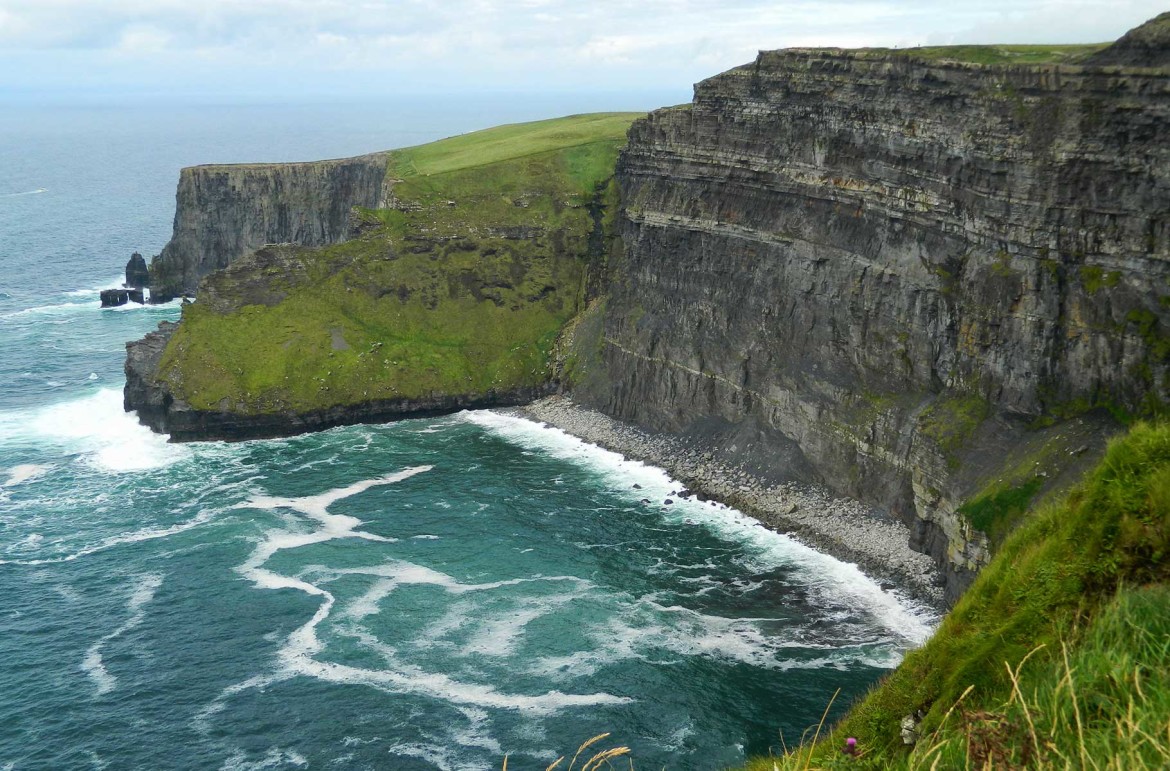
(426, 594)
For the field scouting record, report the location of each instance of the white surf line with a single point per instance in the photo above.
(113, 283)
(92, 664)
(395, 573)
(839, 581)
(406, 678)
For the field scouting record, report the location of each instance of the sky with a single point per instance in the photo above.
(352, 48)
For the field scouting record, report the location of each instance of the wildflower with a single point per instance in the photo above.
(850, 747)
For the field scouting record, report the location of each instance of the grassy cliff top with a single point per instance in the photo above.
(1004, 54)
(459, 288)
(511, 141)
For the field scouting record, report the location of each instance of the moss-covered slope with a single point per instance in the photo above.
(456, 291)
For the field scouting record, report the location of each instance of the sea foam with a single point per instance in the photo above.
(24, 473)
(100, 429)
(297, 656)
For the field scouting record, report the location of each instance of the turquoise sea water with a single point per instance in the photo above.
(429, 594)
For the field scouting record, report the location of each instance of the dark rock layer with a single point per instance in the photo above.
(865, 258)
(112, 298)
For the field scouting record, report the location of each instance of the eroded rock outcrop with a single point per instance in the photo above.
(223, 212)
(137, 272)
(883, 273)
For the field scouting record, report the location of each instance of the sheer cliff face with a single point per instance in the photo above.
(854, 261)
(224, 212)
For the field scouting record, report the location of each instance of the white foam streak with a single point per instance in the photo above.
(296, 657)
(92, 664)
(113, 283)
(49, 310)
(837, 583)
(24, 473)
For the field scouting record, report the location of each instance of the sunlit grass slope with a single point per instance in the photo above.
(459, 286)
(1057, 657)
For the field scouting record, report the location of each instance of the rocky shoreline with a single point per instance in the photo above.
(842, 527)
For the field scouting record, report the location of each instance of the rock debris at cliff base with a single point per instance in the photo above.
(842, 527)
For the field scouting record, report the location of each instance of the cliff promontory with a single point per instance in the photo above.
(933, 284)
(435, 278)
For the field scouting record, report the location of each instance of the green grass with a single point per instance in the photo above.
(951, 421)
(995, 510)
(503, 143)
(1049, 586)
(462, 289)
(1005, 54)
(1103, 703)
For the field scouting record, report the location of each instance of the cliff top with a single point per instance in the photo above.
(1003, 54)
(1146, 46)
(515, 140)
(377, 157)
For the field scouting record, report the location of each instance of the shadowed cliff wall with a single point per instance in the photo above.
(899, 268)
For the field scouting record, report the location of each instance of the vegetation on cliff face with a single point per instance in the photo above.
(460, 288)
(1057, 655)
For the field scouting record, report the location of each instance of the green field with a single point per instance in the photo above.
(460, 288)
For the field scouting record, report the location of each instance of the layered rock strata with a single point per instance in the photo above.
(881, 273)
(223, 212)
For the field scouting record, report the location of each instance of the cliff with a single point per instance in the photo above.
(223, 212)
(934, 285)
(889, 273)
(448, 294)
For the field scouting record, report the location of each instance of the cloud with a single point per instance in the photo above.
(143, 39)
(519, 44)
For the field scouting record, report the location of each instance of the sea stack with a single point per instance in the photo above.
(137, 273)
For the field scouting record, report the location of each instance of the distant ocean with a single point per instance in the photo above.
(429, 594)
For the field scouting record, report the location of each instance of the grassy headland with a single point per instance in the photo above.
(459, 286)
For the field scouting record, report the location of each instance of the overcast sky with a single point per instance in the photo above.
(279, 48)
